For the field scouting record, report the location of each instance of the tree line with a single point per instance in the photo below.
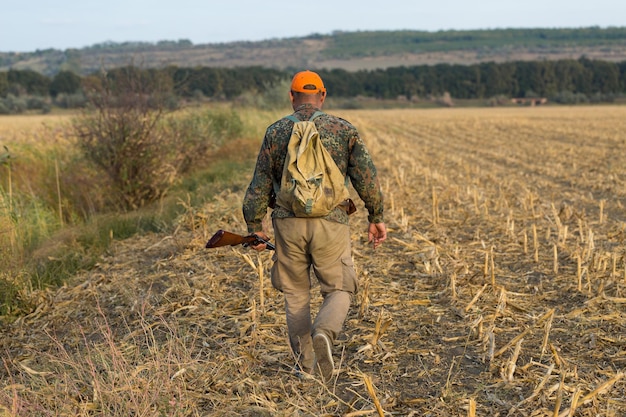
(582, 77)
(565, 81)
(379, 43)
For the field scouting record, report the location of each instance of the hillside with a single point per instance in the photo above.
(343, 50)
(499, 292)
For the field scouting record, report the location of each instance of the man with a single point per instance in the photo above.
(322, 243)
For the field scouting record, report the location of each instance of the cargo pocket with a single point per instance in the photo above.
(350, 283)
(275, 274)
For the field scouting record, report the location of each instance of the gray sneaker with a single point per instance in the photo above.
(323, 356)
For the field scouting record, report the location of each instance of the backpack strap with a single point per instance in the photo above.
(316, 114)
(296, 120)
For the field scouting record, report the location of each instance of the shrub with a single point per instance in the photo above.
(70, 101)
(274, 96)
(498, 100)
(123, 138)
(142, 149)
(567, 97)
(197, 133)
(37, 103)
(602, 98)
(13, 105)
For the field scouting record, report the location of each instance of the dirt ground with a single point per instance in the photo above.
(499, 292)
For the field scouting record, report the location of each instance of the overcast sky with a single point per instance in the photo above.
(26, 26)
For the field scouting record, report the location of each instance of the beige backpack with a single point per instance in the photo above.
(311, 184)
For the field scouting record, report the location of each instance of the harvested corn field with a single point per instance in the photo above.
(500, 291)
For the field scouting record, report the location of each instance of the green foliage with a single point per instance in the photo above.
(54, 260)
(54, 271)
(25, 223)
(13, 105)
(8, 295)
(39, 248)
(70, 101)
(569, 98)
(86, 244)
(224, 83)
(481, 81)
(267, 88)
(65, 82)
(381, 43)
(5, 157)
(197, 133)
(28, 82)
(34, 228)
(4, 84)
(274, 96)
(142, 150)
(38, 103)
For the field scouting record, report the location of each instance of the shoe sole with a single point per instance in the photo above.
(323, 356)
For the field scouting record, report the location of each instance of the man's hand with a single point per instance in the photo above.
(261, 246)
(376, 233)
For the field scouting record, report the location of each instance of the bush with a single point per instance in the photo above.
(130, 138)
(567, 97)
(198, 133)
(132, 153)
(602, 98)
(498, 100)
(70, 101)
(13, 105)
(38, 103)
(274, 96)
(123, 138)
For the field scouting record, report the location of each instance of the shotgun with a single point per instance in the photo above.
(224, 238)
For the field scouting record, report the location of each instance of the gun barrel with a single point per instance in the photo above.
(270, 246)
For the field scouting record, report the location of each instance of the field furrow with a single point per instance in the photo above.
(501, 290)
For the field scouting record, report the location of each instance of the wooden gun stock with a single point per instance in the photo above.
(224, 238)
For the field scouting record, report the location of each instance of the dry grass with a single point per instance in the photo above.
(499, 292)
(34, 144)
(26, 124)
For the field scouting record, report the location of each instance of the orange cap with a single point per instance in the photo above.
(307, 82)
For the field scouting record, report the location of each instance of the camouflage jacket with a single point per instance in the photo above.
(341, 140)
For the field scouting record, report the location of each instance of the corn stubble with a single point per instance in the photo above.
(500, 291)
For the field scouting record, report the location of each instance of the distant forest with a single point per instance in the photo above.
(348, 50)
(563, 81)
(550, 79)
(45, 79)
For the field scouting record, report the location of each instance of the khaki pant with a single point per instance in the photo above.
(318, 247)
